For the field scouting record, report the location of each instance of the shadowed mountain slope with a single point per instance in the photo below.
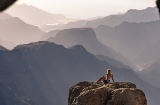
(44, 72)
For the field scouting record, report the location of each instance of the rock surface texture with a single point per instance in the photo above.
(120, 93)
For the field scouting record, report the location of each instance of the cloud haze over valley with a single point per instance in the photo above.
(44, 50)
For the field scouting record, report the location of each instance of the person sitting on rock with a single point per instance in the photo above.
(108, 77)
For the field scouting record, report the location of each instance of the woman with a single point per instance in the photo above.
(108, 77)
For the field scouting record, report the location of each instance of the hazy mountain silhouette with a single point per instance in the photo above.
(43, 73)
(34, 16)
(112, 62)
(146, 15)
(87, 38)
(151, 73)
(49, 34)
(130, 38)
(149, 57)
(4, 16)
(16, 31)
(77, 24)
(74, 24)
(150, 53)
(6, 44)
(48, 21)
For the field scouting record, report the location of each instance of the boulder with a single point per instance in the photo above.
(96, 93)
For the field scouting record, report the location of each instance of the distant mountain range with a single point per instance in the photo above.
(87, 38)
(14, 30)
(49, 21)
(4, 43)
(132, 40)
(43, 73)
(133, 15)
(35, 16)
(146, 15)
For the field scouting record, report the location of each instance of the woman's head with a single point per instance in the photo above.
(109, 71)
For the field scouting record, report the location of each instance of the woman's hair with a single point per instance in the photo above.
(109, 71)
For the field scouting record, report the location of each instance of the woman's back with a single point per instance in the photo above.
(109, 76)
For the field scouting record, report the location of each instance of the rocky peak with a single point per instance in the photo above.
(120, 93)
(35, 45)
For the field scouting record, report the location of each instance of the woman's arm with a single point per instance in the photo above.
(112, 79)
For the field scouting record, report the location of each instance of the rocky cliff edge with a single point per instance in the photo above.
(120, 93)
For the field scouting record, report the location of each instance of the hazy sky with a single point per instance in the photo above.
(89, 8)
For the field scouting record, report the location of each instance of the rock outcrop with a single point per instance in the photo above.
(120, 93)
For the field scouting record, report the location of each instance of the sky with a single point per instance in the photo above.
(88, 8)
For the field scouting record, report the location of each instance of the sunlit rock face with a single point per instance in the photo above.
(120, 93)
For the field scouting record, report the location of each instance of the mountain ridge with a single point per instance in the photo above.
(133, 15)
(130, 38)
(87, 38)
(16, 31)
(44, 71)
(30, 14)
